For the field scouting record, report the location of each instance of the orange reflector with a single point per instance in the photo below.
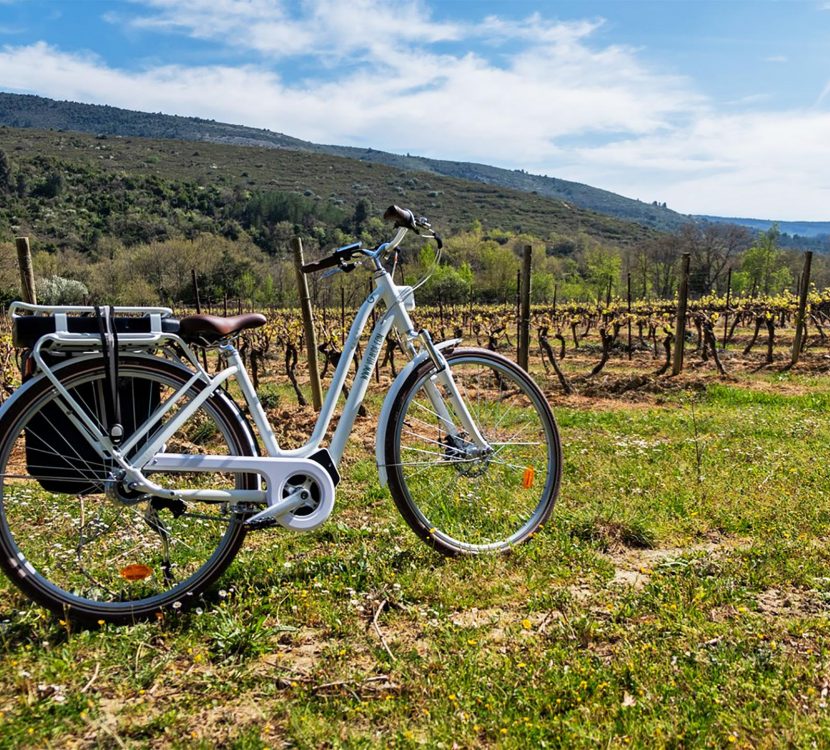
(136, 572)
(527, 477)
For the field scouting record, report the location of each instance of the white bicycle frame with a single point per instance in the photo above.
(278, 465)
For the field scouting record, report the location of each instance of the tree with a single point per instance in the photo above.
(448, 284)
(6, 181)
(51, 187)
(763, 264)
(362, 211)
(713, 248)
(660, 257)
(602, 268)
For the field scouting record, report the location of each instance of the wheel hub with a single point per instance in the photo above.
(466, 457)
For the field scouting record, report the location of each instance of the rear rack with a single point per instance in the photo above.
(84, 309)
(77, 326)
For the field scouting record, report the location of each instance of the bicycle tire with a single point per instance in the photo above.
(26, 518)
(486, 492)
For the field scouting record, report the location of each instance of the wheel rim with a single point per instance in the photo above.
(478, 503)
(105, 550)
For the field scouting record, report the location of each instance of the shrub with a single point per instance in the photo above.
(56, 290)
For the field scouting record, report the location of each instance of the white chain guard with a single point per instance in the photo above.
(275, 471)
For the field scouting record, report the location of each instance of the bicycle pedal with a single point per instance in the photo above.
(265, 523)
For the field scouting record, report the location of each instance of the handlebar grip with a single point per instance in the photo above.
(337, 258)
(402, 217)
(328, 262)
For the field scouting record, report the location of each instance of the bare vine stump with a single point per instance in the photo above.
(544, 344)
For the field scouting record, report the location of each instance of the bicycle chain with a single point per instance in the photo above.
(265, 523)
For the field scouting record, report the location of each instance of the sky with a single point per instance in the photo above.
(714, 107)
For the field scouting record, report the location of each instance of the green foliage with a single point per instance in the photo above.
(542, 286)
(763, 264)
(6, 175)
(51, 187)
(272, 207)
(56, 290)
(362, 213)
(145, 190)
(269, 395)
(448, 285)
(602, 268)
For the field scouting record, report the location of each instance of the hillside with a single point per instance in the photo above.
(108, 181)
(25, 111)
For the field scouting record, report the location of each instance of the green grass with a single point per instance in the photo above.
(678, 598)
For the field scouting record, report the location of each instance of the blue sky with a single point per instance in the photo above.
(714, 107)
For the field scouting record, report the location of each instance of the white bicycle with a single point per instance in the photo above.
(130, 476)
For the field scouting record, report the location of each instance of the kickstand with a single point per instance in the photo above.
(151, 518)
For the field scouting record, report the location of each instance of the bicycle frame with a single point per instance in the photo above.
(278, 464)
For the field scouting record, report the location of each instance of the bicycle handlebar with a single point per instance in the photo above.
(403, 218)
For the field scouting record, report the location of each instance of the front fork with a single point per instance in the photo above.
(443, 376)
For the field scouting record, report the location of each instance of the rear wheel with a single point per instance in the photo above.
(458, 498)
(80, 543)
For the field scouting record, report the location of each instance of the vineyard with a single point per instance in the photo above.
(572, 343)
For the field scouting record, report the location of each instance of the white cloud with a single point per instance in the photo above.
(549, 99)
(325, 26)
(776, 59)
(768, 165)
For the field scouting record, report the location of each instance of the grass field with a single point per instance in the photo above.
(678, 598)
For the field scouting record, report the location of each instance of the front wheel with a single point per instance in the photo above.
(458, 496)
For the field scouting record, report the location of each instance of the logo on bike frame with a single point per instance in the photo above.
(372, 355)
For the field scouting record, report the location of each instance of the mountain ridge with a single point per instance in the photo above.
(30, 111)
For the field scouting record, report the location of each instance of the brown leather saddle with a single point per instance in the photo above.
(213, 328)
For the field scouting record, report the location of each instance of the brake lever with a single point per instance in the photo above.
(433, 235)
(342, 268)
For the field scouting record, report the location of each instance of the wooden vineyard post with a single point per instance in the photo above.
(802, 307)
(524, 317)
(308, 324)
(27, 273)
(195, 282)
(519, 315)
(680, 326)
(198, 299)
(629, 315)
(726, 312)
